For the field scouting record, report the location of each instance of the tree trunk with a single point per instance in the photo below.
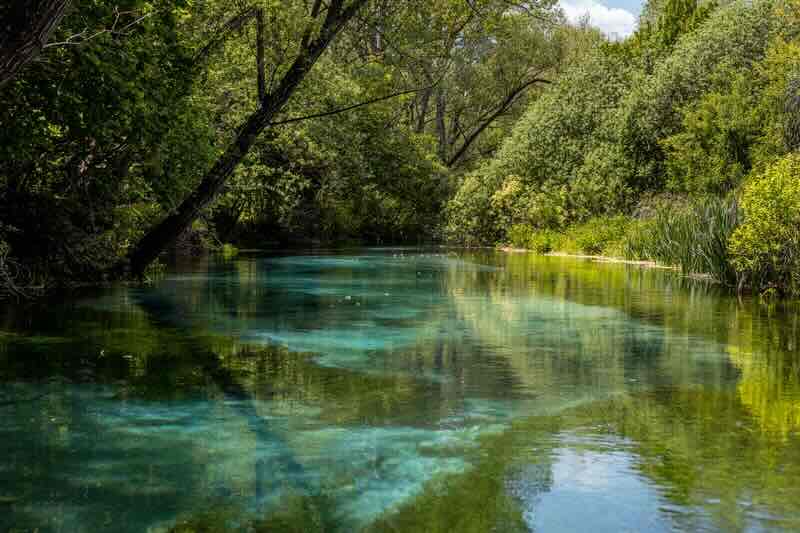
(25, 27)
(425, 99)
(441, 125)
(169, 229)
(260, 29)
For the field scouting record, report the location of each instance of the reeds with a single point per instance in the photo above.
(692, 237)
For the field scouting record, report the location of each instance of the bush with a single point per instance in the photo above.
(470, 219)
(540, 241)
(712, 153)
(728, 133)
(732, 39)
(598, 235)
(765, 249)
(602, 235)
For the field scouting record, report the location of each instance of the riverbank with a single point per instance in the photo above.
(610, 259)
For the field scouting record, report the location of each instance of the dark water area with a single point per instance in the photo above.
(401, 390)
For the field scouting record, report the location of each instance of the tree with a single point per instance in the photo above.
(336, 16)
(25, 28)
(480, 60)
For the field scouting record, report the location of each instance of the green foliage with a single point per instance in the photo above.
(348, 178)
(732, 39)
(711, 155)
(596, 140)
(690, 236)
(540, 241)
(471, 221)
(765, 250)
(662, 24)
(601, 235)
(696, 101)
(91, 133)
(530, 180)
(550, 141)
(598, 235)
(725, 134)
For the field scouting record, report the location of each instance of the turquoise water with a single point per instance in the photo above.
(401, 390)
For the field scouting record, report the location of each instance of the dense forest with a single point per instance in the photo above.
(131, 128)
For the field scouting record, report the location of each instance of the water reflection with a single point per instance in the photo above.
(399, 391)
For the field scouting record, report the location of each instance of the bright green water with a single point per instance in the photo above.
(401, 391)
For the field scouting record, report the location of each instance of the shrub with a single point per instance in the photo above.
(731, 39)
(712, 153)
(470, 219)
(598, 235)
(540, 241)
(765, 249)
(520, 235)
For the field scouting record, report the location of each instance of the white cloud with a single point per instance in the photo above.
(613, 21)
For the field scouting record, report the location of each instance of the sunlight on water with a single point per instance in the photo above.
(390, 388)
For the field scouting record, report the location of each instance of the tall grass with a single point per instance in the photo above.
(693, 238)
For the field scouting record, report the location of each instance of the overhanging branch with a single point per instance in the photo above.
(350, 107)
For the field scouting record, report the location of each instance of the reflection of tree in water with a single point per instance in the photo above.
(530, 481)
(689, 440)
(709, 421)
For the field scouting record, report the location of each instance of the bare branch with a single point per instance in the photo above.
(81, 38)
(27, 26)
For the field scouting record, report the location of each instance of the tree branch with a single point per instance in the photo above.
(80, 38)
(507, 102)
(234, 24)
(348, 108)
(27, 26)
(167, 230)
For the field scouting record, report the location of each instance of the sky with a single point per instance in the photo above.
(617, 18)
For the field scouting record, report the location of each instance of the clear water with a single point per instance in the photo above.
(400, 390)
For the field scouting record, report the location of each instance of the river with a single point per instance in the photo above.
(401, 390)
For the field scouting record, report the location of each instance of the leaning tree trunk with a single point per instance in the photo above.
(441, 126)
(25, 27)
(169, 229)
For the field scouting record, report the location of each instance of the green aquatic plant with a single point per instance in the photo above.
(691, 237)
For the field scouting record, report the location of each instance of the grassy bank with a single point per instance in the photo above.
(749, 241)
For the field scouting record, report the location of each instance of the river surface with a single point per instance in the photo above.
(401, 391)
